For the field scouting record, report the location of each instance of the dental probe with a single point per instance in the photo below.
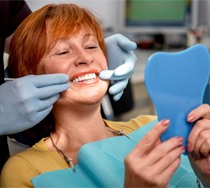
(9, 79)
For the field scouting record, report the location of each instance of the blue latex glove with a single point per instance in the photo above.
(25, 101)
(121, 63)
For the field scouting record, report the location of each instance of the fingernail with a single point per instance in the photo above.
(180, 139)
(190, 117)
(165, 122)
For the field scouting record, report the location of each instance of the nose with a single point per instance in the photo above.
(83, 57)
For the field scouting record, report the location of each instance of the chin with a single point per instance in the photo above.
(92, 101)
(93, 96)
(84, 96)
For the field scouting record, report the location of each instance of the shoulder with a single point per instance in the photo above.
(35, 156)
(20, 168)
(132, 124)
(18, 171)
(25, 158)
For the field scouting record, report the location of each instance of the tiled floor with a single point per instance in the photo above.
(142, 105)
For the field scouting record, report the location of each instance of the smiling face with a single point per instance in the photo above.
(81, 58)
(62, 38)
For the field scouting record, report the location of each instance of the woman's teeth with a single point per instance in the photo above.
(85, 77)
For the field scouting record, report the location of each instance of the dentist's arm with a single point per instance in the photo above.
(25, 101)
(121, 63)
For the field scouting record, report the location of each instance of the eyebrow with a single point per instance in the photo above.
(88, 35)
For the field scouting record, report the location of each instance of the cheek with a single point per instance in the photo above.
(103, 63)
(51, 68)
(55, 69)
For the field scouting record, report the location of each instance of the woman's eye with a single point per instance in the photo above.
(92, 47)
(62, 53)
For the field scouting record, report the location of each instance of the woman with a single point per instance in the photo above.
(68, 39)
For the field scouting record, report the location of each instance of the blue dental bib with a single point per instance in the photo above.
(176, 83)
(101, 164)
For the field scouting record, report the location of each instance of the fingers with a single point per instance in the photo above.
(165, 157)
(125, 69)
(118, 87)
(116, 97)
(162, 150)
(48, 79)
(150, 139)
(125, 43)
(166, 175)
(205, 147)
(49, 91)
(197, 128)
(106, 74)
(42, 114)
(34, 106)
(47, 103)
(202, 144)
(167, 166)
(203, 111)
(38, 110)
(198, 139)
(152, 163)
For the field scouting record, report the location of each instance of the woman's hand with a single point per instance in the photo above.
(152, 163)
(199, 142)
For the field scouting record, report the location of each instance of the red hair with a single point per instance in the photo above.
(31, 39)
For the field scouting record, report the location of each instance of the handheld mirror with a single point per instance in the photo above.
(176, 82)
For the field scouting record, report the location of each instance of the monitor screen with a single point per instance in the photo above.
(156, 15)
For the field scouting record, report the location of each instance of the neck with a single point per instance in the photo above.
(72, 130)
(84, 121)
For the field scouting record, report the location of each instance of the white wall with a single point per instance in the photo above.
(203, 13)
(107, 10)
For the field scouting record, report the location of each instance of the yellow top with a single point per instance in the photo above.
(20, 168)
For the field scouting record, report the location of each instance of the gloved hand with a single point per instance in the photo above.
(121, 63)
(25, 101)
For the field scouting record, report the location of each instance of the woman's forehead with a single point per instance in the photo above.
(85, 32)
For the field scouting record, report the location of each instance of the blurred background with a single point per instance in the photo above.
(155, 25)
